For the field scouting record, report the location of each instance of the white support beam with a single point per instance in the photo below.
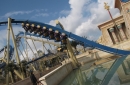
(41, 40)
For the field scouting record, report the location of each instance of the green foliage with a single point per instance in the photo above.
(24, 62)
(11, 66)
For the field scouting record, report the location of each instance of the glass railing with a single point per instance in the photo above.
(113, 72)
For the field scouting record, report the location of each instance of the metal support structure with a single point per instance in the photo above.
(112, 70)
(15, 47)
(30, 48)
(21, 53)
(87, 42)
(49, 44)
(41, 40)
(26, 46)
(8, 44)
(4, 58)
(14, 42)
(35, 46)
(24, 49)
(32, 52)
(69, 47)
(5, 53)
(43, 47)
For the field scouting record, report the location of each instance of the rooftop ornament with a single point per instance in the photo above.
(107, 7)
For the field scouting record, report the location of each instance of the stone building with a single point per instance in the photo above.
(114, 35)
(118, 37)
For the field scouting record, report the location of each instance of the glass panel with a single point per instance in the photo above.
(122, 75)
(100, 71)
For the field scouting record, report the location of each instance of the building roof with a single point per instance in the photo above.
(105, 23)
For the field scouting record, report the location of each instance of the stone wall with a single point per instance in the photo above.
(57, 75)
(38, 74)
(126, 15)
(93, 55)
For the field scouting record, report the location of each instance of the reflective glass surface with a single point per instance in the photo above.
(89, 74)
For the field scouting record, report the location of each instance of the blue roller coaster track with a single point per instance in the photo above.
(87, 43)
(11, 51)
(72, 36)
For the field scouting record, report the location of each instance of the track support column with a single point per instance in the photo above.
(69, 47)
(15, 46)
(8, 44)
